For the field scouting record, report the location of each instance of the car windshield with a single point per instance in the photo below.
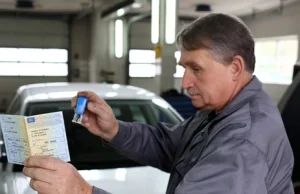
(86, 150)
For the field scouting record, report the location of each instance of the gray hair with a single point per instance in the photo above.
(226, 36)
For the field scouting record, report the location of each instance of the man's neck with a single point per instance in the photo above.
(241, 83)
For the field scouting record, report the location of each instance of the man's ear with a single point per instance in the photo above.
(237, 67)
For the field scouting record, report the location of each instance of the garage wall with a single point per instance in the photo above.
(80, 49)
(29, 33)
(270, 25)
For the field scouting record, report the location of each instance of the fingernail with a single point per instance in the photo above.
(25, 161)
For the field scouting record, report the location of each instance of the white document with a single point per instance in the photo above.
(35, 135)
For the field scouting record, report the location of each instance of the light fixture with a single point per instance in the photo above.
(120, 12)
(155, 21)
(119, 38)
(170, 25)
(136, 5)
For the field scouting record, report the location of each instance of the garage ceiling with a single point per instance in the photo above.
(187, 8)
(55, 6)
(236, 7)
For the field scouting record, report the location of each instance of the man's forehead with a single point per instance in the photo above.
(188, 55)
(191, 55)
(185, 54)
(187, 58)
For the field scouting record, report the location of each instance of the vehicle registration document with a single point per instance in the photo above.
(42, 134)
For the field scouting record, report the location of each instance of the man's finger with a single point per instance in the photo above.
(40, 174)
(86, 116)
(97, 108)
(91, 96)
(73, 102)
(45, 162)
(41, 187)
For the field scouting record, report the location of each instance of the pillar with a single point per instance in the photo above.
(99, 55)
(165, 46)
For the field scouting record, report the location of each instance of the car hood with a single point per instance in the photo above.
(146, 180)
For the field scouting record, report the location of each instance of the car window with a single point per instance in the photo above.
(142, 111)
(137, 114)
(86, 149)
(129, 113)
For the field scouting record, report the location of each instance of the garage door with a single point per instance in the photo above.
(31, 51)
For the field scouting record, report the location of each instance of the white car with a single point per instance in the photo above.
(100, 166)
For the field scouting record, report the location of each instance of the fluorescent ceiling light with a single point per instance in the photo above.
(119, 38)
(136, 5)
(171, 17)
(155, 21)
(120, 12)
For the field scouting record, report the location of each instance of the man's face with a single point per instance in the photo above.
(209, 83)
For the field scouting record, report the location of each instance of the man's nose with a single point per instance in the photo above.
(187, 81)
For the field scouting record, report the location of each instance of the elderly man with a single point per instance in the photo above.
(235, 144)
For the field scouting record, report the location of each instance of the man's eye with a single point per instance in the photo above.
(196, 69)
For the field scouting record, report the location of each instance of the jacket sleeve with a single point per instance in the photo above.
(154, 146)
(99, 191)
(235, 167)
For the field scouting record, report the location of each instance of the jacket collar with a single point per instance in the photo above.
(243, 97)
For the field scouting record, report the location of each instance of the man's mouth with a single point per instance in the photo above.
(193, 92)
(193, 96)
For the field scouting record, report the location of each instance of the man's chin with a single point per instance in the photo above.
(197, 104)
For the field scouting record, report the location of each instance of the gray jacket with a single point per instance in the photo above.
(246, 149)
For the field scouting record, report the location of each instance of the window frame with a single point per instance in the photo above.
(150, 65)
(37, 66)
(276, 59)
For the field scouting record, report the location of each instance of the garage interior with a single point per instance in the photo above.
(130, 43)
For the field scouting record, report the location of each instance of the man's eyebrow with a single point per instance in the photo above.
(185, 63)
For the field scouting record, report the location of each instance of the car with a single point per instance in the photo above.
(289, 107)
(100, 165)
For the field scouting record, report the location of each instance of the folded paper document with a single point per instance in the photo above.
(42, 134)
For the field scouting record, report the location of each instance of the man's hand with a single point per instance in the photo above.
(98, 117)
(53, 176)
